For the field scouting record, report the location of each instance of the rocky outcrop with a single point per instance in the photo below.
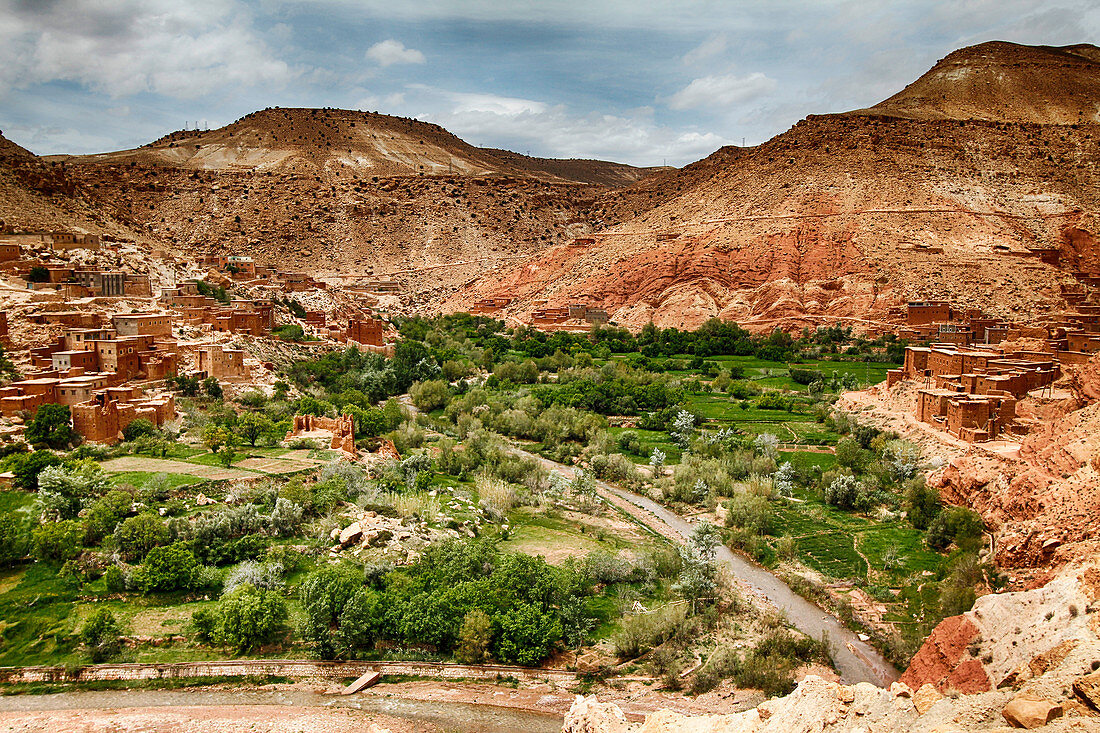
(1020, 659)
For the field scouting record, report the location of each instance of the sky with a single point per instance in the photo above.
(637, 81)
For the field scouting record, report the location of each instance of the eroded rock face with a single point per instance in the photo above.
(1019, 659)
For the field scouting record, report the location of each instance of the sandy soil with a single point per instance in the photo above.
(213, 719)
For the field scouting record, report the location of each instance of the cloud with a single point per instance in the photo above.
(707, 50)
(722, 91)
(134, 46)
(389, 52)
(559, 131)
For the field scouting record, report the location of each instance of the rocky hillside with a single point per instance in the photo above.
(336, 191)
(37, 195)
(845, 216)
(1005, 82)
(350, 143)
(1018, 660)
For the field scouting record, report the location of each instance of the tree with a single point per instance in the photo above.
(922, 503)
(213, 388)
(63, 490)
(250, 617)
(138, 428)
(527, 635)
(430, 395)
(333, 597)
(101, 635)
(683, 426)
(657, 460)
(767, 444)
(956, 524)
(784, 479)
(252, 426)
(474, 638)
(576, 622)
(849, 454)
(52, 426)
(166, 569)
(216, 436)
(138, 535)
(698, 579)
(38, 274)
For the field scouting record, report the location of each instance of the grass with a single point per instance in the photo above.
(138, 478)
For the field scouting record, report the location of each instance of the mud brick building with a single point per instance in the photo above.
(972, 393)
(919, 313)
(109, 412)
(342, 429)
(489, 305)
(102, 282)
(10, 251)
(142, 324)
(221, 363)
(66, 241)
(367, 331)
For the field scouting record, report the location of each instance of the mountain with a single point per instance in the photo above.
(845, 217)
(1005, 82)
(347, 192)
(349, 143)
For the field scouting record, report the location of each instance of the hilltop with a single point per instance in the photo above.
(845, 217)
(352, 143)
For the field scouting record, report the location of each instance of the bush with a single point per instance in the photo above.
(526, 635)
(101, 635)
(640, 633)
(474, 638)
(139, 428)
(250, 617)
(749, 512)
(166, 569)
(957, 525)
(431, 395)
(922, 503)
(13, 539)
(138, 535)
(26, 467)
(58, 541)
(846, 492)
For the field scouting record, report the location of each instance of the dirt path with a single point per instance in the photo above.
(856, 660)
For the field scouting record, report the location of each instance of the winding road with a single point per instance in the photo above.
(856, 660)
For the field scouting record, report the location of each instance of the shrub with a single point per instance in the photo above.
(138, 535)
(922, 503)
(474, 638)
(261, 575)
(26, 467)
(433, 394)
(58, 541)
(956, 524)
(101, 635)
(749, 512)
(639, 633)
(166, 569)
(139, 428)
(250, 617)
(526, 635)
(13, 539)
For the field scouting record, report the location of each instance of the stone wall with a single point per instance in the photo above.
(294, 668)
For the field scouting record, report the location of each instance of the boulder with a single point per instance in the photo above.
(351, 533)
(1030, 711)
(587, 715)
(1087, 690)
(926, 697)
